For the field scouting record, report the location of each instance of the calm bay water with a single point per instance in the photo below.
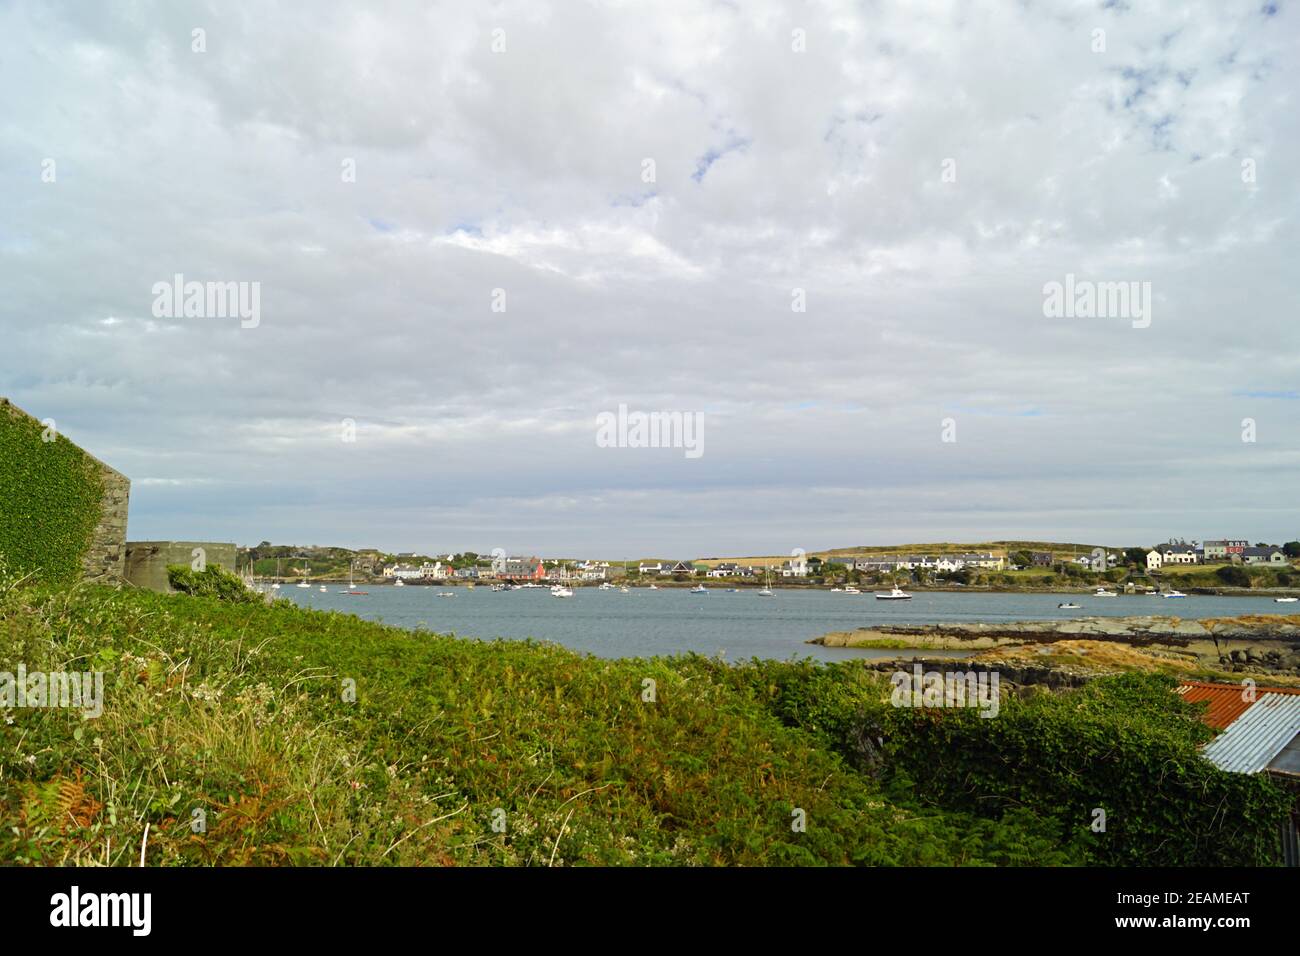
(645, 623)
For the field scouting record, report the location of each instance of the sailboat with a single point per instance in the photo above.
(276, 585)
(767, 586)
(303, 583)
(352, 584)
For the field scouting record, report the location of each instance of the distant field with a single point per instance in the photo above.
(944, 547)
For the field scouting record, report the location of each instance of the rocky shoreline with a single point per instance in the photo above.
(1256, 643)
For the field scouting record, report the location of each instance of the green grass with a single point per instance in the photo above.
(240, 711)
(246, 714)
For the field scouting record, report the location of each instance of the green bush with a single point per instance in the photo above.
(1233, 575)
(50, 494)
(1127, 745)
(212, 581)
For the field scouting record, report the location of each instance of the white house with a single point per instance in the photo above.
(1155, 560)
(403, 572)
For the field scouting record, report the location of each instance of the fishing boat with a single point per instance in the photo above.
(561, 592)
(1173, 594)
(1069, 607)
(895, 594)
(1102, 592)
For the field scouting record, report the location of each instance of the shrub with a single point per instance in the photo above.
(1233, 575)
(212, 581)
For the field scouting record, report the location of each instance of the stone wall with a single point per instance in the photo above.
(146, 561)
(105, 561)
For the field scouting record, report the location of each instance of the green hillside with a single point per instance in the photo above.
(231, 730)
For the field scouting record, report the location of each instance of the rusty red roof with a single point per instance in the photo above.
(1227, 701)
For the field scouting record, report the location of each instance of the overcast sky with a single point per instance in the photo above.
(919, 170)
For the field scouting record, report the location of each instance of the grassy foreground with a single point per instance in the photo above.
(232, 732)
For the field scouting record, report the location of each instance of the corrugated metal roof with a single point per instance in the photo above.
(1258, 735)
(1227, 701)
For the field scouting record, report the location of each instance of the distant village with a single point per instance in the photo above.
(408, 567)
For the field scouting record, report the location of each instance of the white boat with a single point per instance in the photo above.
(699, 589)
(1173, 594)
(1285, 600)
(837, 590)
(767, 586)
(275, 587)
(562, 592)
(851, 590)
(446, 594)
(1069, 607)
(625, 590)
(1102, 592)
(399, 583)
(653, 587)
(304, 584)
(606, 587)
(324, 589)
(895, 594)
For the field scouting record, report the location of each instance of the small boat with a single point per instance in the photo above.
(561, 592)
(767, 586)
(699, 589)
(446, 594)
(304, 584)
(851, 590)
(356, 592)
(653, 587)
(606, 587)
(837, 590)
(1102, 592)
(1069, 607)
(895, 594)
(1173, 594)
(275, 587)
(625, 590)
(1285, 600)
(399, 583)
(324, 589)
